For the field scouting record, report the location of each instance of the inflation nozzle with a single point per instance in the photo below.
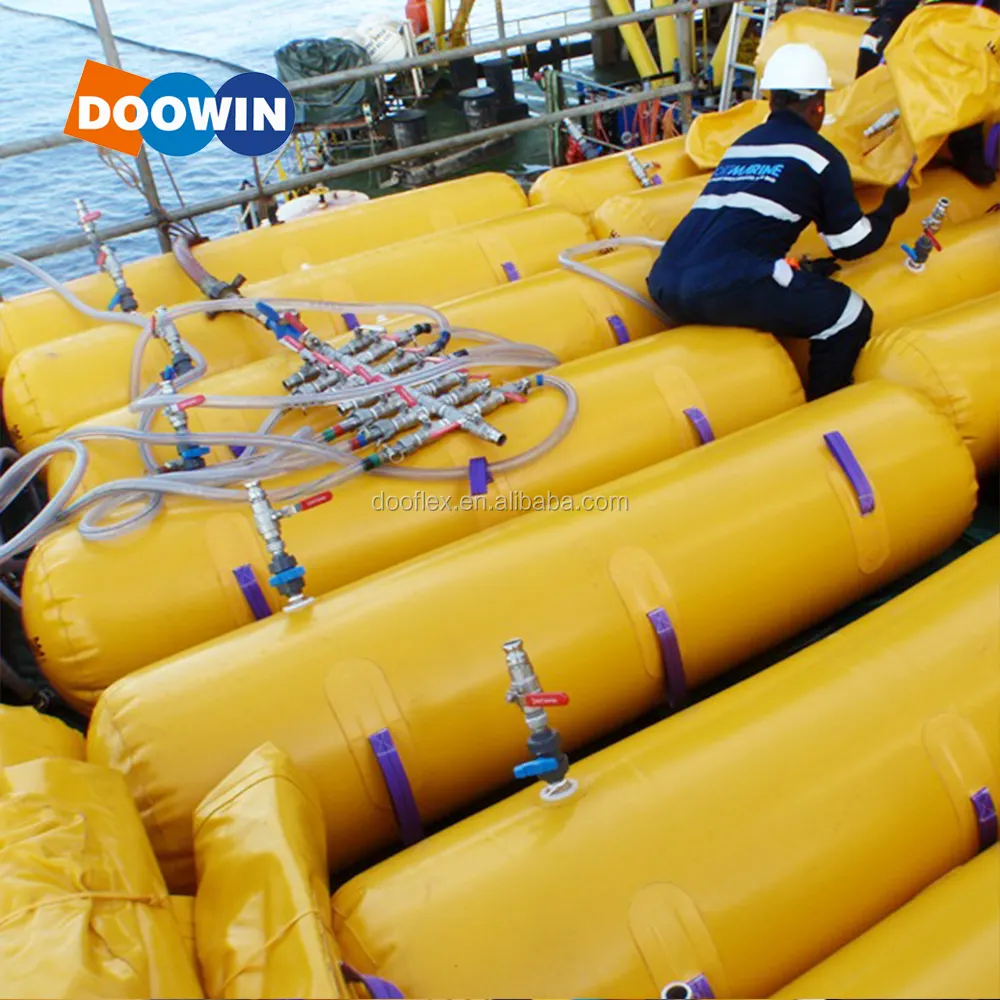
(645, 173)
(181, 361)
(287, 576)
(548, 760)
(916, 256)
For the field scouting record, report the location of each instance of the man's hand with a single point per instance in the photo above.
(825, 267)
(896, 200)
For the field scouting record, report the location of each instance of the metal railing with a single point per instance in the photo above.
(682, 89)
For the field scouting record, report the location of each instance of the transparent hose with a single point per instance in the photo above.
(568, 260)
(102, 315)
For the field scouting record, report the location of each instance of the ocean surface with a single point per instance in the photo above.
(45, 43)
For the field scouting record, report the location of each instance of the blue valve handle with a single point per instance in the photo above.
(536, 768)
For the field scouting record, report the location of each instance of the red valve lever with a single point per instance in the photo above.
(933, 239)
(186, 404)
(546, 699)
(295, 322)
(315, 501)
(92, 216)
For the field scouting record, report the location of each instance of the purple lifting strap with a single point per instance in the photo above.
(510, 269)
(479, 476)
(701, 424)
(398, 786)
(247, 580)
(993, 147)
(670, 654)
(378, 989)
(351, 320)
(619, 329)
(699, 988)
(841, 451)
(986, 818)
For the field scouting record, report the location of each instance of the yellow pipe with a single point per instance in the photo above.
(943, 944)
(635, 40)
(742, 841)
(460, 23)
(418, 649)
(439, 15)
(666, 38)
(39, 317)
(43, 390)
(953, 357)
(632, 415)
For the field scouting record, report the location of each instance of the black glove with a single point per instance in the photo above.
(825, 267)
(896, 201)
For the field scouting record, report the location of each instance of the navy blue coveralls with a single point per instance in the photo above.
(724, 265)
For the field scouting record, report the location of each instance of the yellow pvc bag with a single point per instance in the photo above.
(84, 911)
(953, 357)
(262, 913)
(836, 36)
(941, 74)
(27, 735)
(882, 158)
(945, 67)
(943, 943)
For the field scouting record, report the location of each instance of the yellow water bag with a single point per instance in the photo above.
(638, 405)
(719, 545)
(36, 318)
(570, 315)
(837, 37)
(954, 357)
(582, 187)
(943, 944)
(731, 847)
(28, 735)
(84, 911)
(656, 212)
(57, 385)
(262, 914)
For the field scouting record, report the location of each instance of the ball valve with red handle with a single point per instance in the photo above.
(548, 760)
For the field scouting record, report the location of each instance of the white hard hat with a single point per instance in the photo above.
(797, 67)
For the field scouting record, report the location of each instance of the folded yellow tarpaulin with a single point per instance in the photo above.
(941, 74)
(84, 911)
(262, 910)
(836, 36)
(27, 735)
(945, 65)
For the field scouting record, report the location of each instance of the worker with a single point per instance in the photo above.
(725, 263)
(889, 16)
(968, 145)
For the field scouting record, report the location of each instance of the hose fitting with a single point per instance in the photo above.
(916, 256)
(190, 456)
(548, 760)
(105, 258)
(287, 576)
(163, 327)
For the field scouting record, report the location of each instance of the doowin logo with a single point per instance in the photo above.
(178, 113)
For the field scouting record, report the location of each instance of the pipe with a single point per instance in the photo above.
(635, 40)
(666, 38)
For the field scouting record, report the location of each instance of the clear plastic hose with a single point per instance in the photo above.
(568, 260)
(101, 315)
